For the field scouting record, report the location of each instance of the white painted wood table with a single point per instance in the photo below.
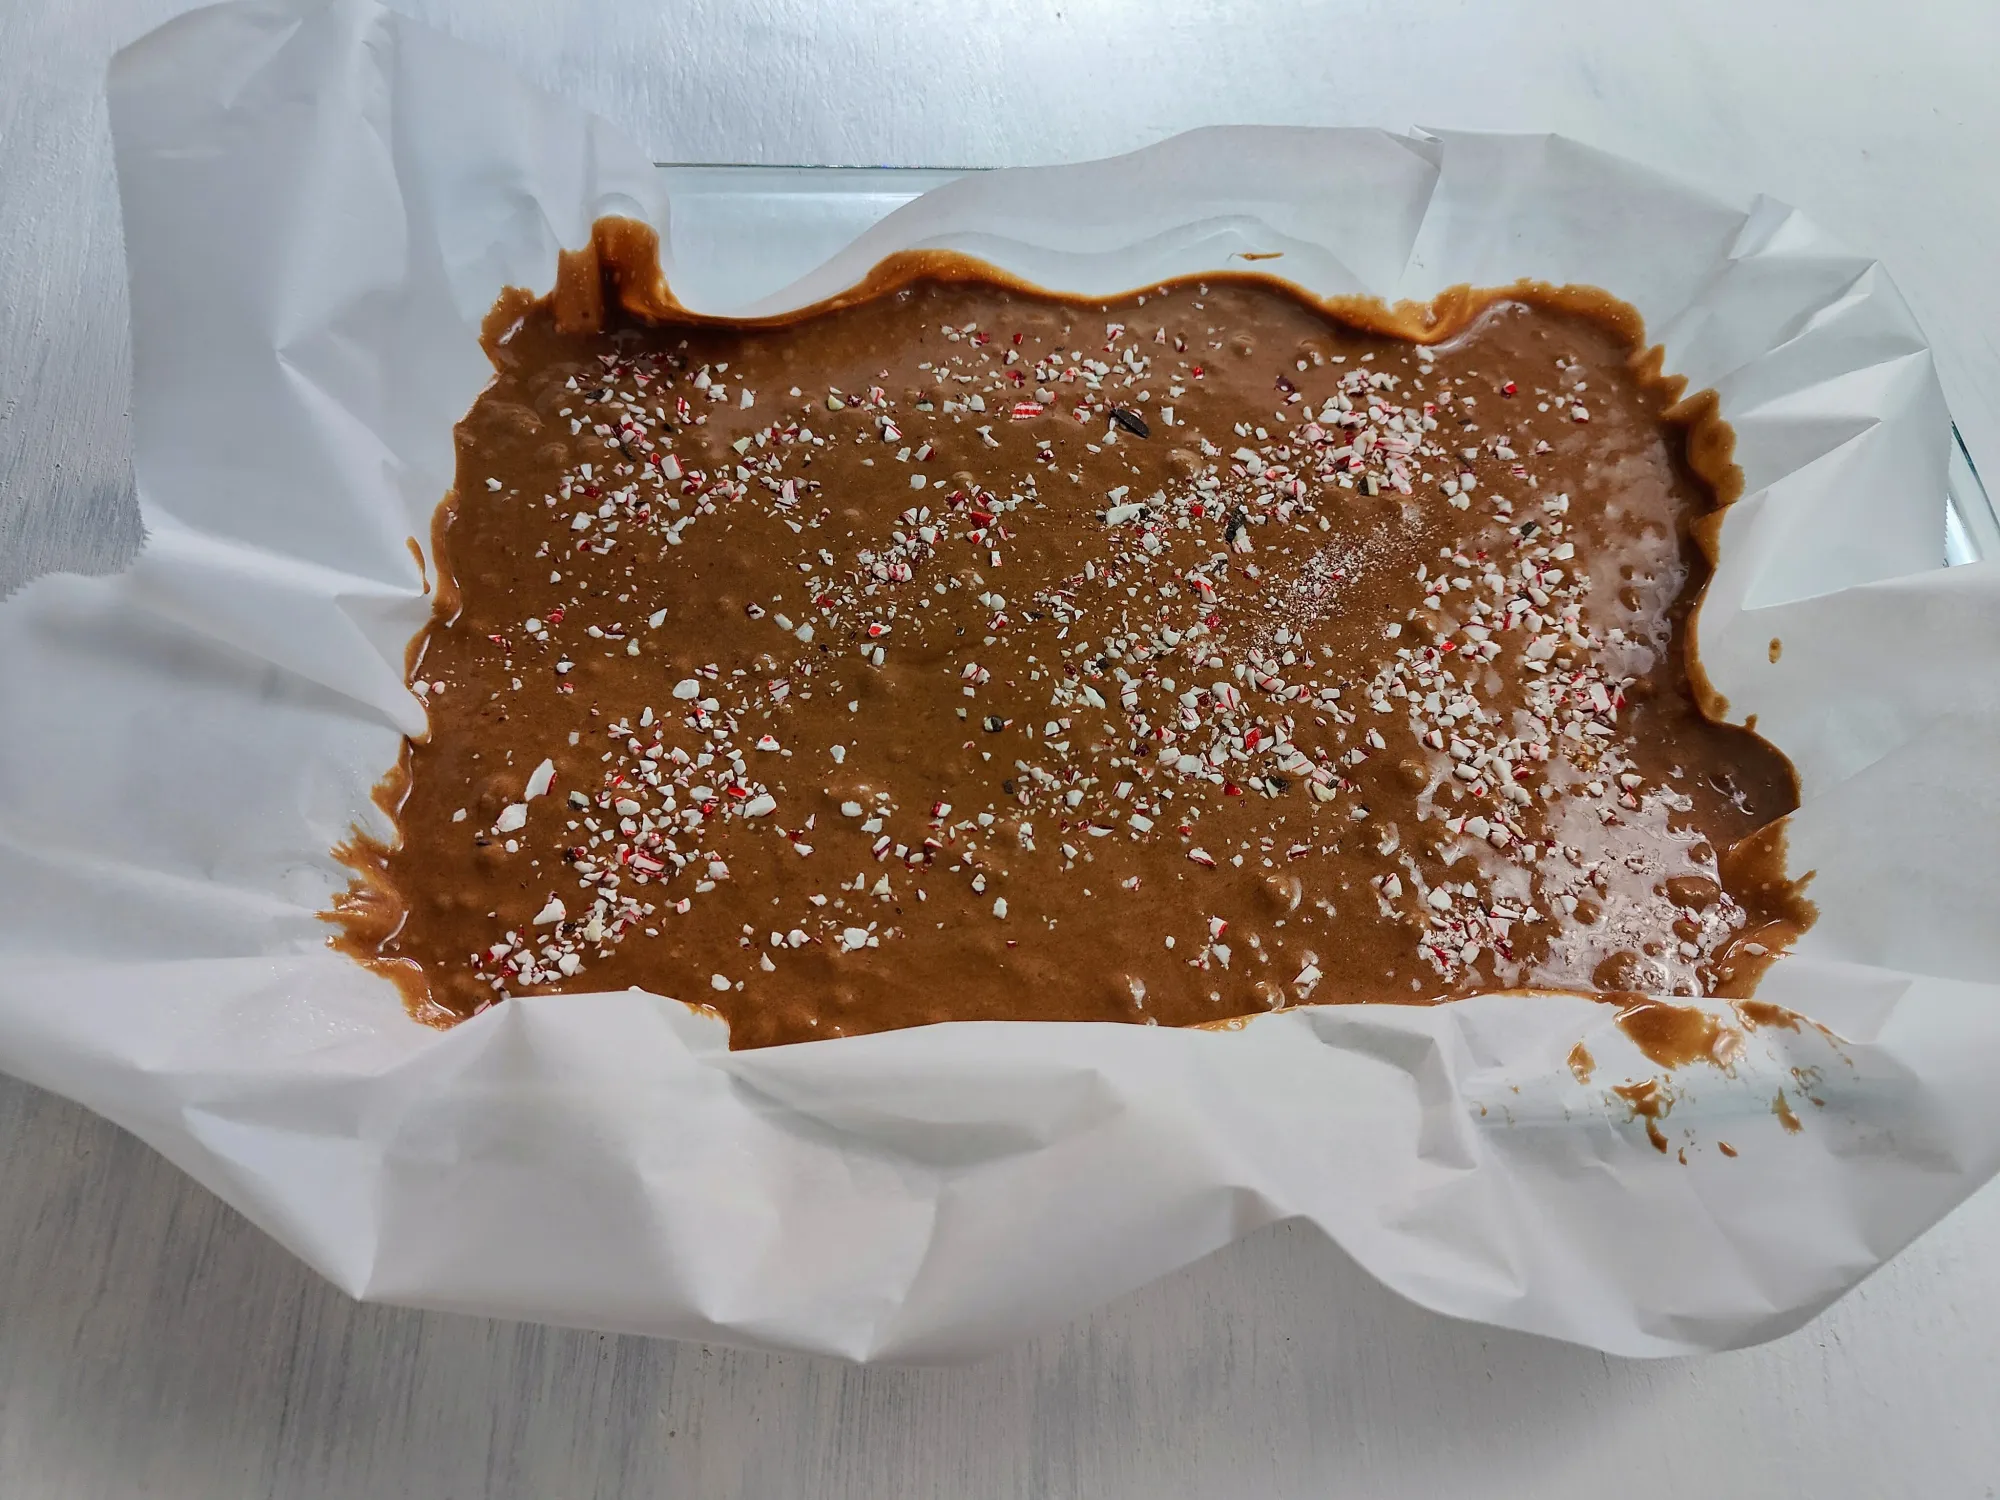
(151, 1343)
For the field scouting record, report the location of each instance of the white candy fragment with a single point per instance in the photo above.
(539, 780)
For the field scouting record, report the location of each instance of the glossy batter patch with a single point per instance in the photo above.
(965, 652)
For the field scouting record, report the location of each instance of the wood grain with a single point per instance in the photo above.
(152, 1343)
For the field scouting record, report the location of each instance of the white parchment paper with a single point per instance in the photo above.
(321, 202)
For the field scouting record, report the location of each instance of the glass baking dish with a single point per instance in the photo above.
(755, 229)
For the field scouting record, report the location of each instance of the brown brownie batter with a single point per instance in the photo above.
(958, 651)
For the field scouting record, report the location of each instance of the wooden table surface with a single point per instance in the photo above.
(152, 1343)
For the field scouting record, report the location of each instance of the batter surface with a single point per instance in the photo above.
(960, 651)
